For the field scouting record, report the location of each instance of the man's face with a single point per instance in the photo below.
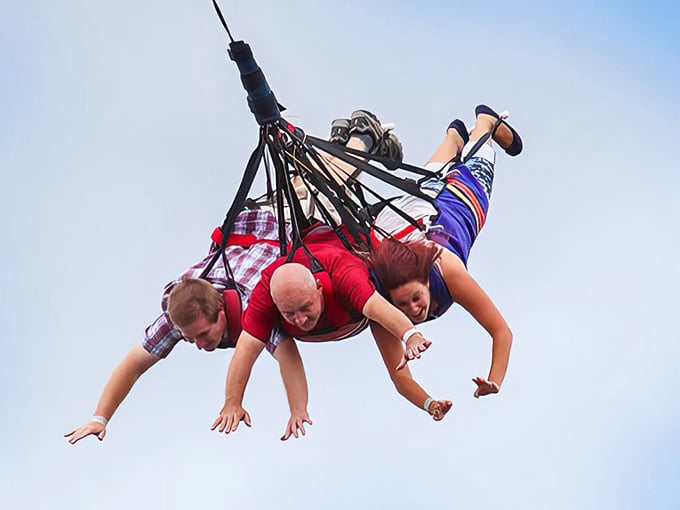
(205, 334)
(304, 310)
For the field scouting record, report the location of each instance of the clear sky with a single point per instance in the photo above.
(123, 133)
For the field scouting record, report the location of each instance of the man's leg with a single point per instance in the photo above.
(362, 132)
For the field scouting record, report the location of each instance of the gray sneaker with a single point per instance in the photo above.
(364, 122)
(385, 143)
(339, 131)
(390, 149)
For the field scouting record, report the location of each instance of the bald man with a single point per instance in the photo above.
(297, 295)
(328, 305)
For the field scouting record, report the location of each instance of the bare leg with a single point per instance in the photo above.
(450, 147)
(340, 172)
(340, 169)
(484, 124)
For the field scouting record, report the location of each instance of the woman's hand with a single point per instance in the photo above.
(485, 387)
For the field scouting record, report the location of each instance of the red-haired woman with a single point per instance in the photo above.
(424, 272)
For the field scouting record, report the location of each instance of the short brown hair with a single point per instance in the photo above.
(396, 263)
(192, 297)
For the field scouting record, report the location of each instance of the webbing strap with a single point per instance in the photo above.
(315, 174)
(482, 140)
(237, 205)
(242, 240)
(337, 196)
(407, 185)
(285, 192)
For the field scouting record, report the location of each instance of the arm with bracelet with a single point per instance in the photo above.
(391, 350)
(123, 378)
(379, 310)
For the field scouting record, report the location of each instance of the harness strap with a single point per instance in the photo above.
(233, 308)
(325, 183)
(237, 204)
(243, 240)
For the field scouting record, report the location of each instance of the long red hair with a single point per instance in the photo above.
(396, 263)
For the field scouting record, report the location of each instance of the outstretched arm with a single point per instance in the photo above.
(295, 381)
(468, 293)
(379, 310)
(392, 352)
(248, 348)
(123, 378)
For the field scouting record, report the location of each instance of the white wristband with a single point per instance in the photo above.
(427, 403)
(409, 334)
(100, 419)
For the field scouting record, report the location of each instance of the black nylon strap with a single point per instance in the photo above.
(323, 180)
(238, 203)
(312, 182)
(338, 197)
(407, 185)
(386, 162)
(482, 140)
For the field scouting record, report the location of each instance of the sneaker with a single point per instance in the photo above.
(385, 143)
(339, 131)
(364, 122)
(390, 149)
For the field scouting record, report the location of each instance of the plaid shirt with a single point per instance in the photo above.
(246, 264)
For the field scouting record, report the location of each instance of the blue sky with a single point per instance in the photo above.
(123, 131)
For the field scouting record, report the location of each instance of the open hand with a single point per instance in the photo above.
(90, 428)
(296, 423)
(230, 416)
(485, 387)
(415, 345)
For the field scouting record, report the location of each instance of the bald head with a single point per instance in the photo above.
(291, 281)
(297, 295)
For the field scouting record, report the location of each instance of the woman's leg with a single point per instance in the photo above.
(484, 124)
(505, 136)
(452, 144)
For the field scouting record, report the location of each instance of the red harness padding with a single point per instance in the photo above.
(243, 240)
(336, 314)
(233, 309)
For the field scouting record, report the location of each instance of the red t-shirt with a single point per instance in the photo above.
(348, 273)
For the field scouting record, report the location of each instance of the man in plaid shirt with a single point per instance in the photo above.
(246, 263)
